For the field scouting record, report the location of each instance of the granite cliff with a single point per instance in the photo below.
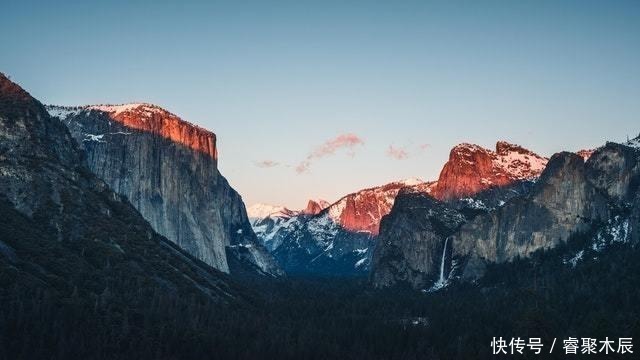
(66, 234)
(571, 196)
(343, 233)
(167, 168)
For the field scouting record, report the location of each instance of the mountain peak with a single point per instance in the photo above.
(15, 99)
(466, 148)
(149, 118)
(411, 181)
(472, 168)
(128, 107)
(634, 142)
(585, 153)
(504, 148)
(261, 211)
(315, 206)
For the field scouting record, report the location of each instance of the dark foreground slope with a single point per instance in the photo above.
(541, 296)
(82, 274)
(345, 319)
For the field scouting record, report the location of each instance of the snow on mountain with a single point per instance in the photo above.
(135, 147)
(261, 211)
(147, 118)
(634, 142)
(119, 109)
(585, 153)
(335, 238)
(472, 169)
(518, 162)
(330, 233)
(411, 181)
(362, 211)
(62, 112)
(315, 206)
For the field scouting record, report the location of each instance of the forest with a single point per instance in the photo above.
(314, 318)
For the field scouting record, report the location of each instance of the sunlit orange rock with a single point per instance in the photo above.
(472, 169)
(154, 119)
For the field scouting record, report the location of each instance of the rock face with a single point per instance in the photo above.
(362, 211)
(472, 169)
(167, 168)
(412, 240)
(338, 239)
(313, 244)
(570, 196)
(563, 202)
(314, 207)
(66, 232)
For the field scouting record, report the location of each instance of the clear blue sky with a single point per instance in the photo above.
(275, 80)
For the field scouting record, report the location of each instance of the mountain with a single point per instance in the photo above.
(77, 261)
(426, 242)
(333, 239)
(167, 168)
(260, 211)
(344, 232)
(314, 207)
(362, 211)
(472, 169)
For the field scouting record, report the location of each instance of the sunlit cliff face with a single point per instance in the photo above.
(362, 211)
(153, 119)
(472, 169)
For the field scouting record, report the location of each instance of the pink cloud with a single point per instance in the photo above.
(348, 141)
(303, 167)
(343, 141)
(397, 153)
(424, 146)
(266, 163)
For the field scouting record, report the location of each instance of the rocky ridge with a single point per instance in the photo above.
(167, 168)
(571, 196)
(67, 234)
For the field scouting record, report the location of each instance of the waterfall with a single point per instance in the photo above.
(442, 281)
(444, 258)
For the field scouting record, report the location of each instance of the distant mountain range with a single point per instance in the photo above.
(427, 243)
(339, 240)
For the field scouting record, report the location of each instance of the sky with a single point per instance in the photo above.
(317, 99)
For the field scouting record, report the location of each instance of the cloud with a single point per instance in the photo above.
(348, 142)
(303, 167)
(397, 153)
(424, 146)
(266, 163)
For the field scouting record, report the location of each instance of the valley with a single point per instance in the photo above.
(119, 232)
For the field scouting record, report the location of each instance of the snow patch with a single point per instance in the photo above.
(521, 165)
(119, 109)
(575, 259)
(475, 204)
(616, 230)
(411, 181)
(93, 137)
(61, 112)
(635, 143)
(262, 211)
